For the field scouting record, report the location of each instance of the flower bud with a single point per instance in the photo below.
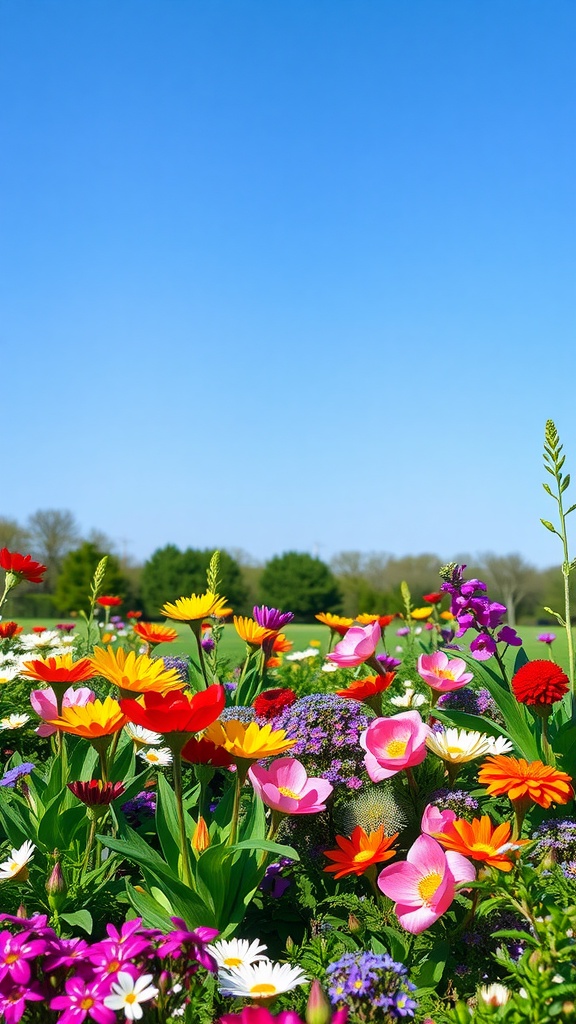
(318, 1009)
(290, 944)
(355, 925)
(201, 836)
(55, 886)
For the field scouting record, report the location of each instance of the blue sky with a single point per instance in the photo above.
(291, 275)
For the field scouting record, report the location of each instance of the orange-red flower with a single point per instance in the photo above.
(91, 721)
(362, 689)
(540, 682)
(480, 840)
(153, 633)
(281, 644)
(60, 669)
(251, 632)
(525, 782)
(338, 623)
(22, 566)
(383, 620)
(175, 712)
(434, 598)
(108, 601)
(9, 629)
(133, 615)
(355, 855)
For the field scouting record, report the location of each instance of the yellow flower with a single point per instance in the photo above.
(339, 623)
(248, 742)
(101, 718)
(190, 609)
(447, 616)
(135, 674)
(421, 613)
(251, 632)
(314, 643)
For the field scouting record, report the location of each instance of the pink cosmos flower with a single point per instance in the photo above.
(392, 744)
(442, 673)
(285, 787)
(356, 646)
(44, 704)
(424, 885)
(435, 820)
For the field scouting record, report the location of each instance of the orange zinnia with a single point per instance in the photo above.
(479, 840)
(338, 623)
(361, 851)
(60, 669)
(92, 721)
(251, 632)
(281, 644)
(361, 689)
(525, 782)
(153, 633)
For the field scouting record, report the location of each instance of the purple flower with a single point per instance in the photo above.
(184, 943)
(507, 635)
(15, 952)
(141, 807)
(13, 1000)
(546, 638)
(271, 618)
(482, 647)
(11, 776)
(403, 631)
(363, 980)
(180, 665)
(388, 662)
(273, 882)
(84, 999)
(208, 643)
(66, 952)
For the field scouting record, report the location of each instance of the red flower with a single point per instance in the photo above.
(362, 689)
(205, 752)
(433, 598)
(38, 629)
(133, 615)
(22, 566)
(540, 682)
(96, 791)
(271, 702)
(9, 629)
(385, 620)
(174, 712)
(107, 601)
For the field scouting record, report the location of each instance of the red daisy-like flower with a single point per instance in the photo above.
(9, 629)
(434, 598)
(362, 689)
(108, 601)
(23, 566)
(540, 682)
(96, 791)
(270, 703)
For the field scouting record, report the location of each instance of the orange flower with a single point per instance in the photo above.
(479, 840)
(338, 623)
(361, 851)
(251, 632)
(153, 633)
(383, 620)
(281, 644)
(61, 669)
(524, 782)
(361, 689)
(135, 674)
(92, 721)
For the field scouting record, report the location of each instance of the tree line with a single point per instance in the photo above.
(352, 582)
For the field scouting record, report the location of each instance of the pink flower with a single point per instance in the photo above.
(443, 673)
(357, 645)
(392, 744)
(435, 820)
(44, 704)
(285, 787)
(424, 885)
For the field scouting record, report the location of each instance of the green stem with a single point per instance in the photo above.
(566, 574)
(103, 764)
(503, 673)
(89, 844)
(177, 773)
(239, 782)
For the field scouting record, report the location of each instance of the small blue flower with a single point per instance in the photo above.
(10, 777)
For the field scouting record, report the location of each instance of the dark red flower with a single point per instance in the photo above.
(9, 629)
(96, 791)
(23, 566)
(540, 683)
(205, 752)
(174, 712)
(107, 601)
(433, 598)
(271, 702)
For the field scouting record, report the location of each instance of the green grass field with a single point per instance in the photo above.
(301, 635)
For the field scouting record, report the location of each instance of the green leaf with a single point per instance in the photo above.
(571, 509)
(430, 971)
(521, 659)
(464, 720)
(167, 823)
(548, 490)
(549, 526)
(556, 615)
(565, 483)
(79, 919)
(269, 846)
(153, 914)
(519, 727)
(123, 766)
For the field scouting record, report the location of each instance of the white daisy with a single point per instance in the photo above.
(500, 745)
(141, 736)
(15, 867)
(128, 993)
(329, 666)
(310, 652)
(494, 994)
(236, 953)
(458, 745)
(8, 673)
(158, 758)
(14, 721)
(41, 641)
(409, 699)
(7, 659)
(262, 980)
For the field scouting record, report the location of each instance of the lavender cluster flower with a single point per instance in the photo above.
(457, 800)
(556, 841)
(327, 731)
(473, 702)
(74, 976)
(372, 984)
(12, 775)
(141, 808)
(473, 610)
(181, 666)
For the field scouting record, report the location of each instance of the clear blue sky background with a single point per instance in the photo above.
(288, 275)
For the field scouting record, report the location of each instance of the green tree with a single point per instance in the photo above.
(78, 566)
(53, 533)
(299, 583)
(170, 573)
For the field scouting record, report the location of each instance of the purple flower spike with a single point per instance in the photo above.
(11, 776)
(271, 618)
(388, 662)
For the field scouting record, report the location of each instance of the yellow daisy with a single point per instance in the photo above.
(190, 609)
(421, 613)
(250, 742)
(135, 674)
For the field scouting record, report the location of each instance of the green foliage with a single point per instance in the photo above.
(170, 573)
(297, 582)
(78, 568)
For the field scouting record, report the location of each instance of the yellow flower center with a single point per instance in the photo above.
(87, 1003)
(129, 997)
(264, 988)
(483, 848)
(362, 856)
(396, 748)
(428, 885)
(289, 792)
(11, 958)
(443, 673)
(233, 961)
(152, 756)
